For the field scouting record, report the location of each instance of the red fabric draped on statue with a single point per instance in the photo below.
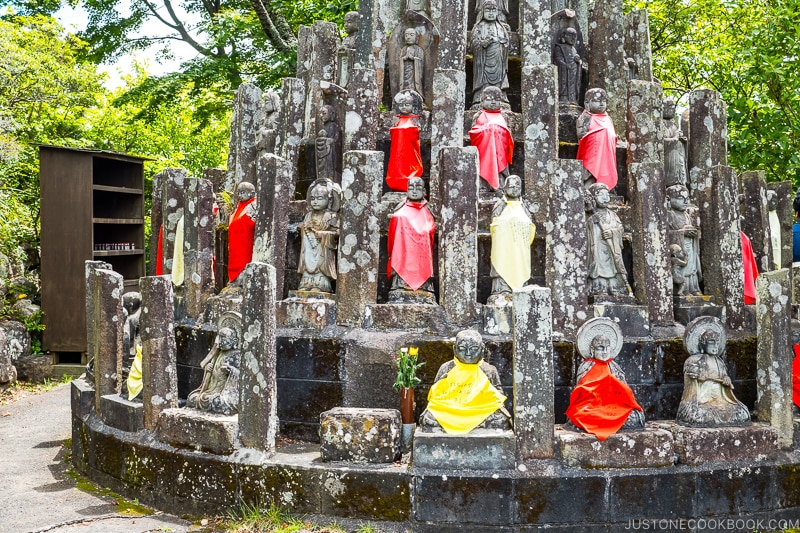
(491, 136)
(411, 230)
(750, 270)
(796, 376)
(405, 159)
(601, 403)
(598, 150)
(241, 235)
(160, 252)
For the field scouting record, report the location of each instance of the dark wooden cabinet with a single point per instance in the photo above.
(92, 207)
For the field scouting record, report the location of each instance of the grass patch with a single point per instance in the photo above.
(254, 519)
(23, 389)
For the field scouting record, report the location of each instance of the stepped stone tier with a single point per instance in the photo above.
(306, 351)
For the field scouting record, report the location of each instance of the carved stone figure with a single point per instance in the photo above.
(329, 151)
(410, 247)
(565, 56)
(466, 394)
(132, 305)
(347, 49)
(674, 147)
(602, 403)
(405, 156)
(512, 234)
(597, 139)
(319, 237)
(492, 137)
(708, 399)
(678, 259)
(219, 390)
(490, 42)
(684, 231)
(242, 230)
(604, 230)
(774, 228)
(268, 122)
(411, 58)
(351, 21)
(412, 63)
(324, 155)
(502, 9)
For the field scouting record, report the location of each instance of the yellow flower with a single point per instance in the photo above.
(413, 350)
(21, 296)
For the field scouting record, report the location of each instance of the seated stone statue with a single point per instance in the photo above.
(602, 403)
(319, 237)
(219, 391)
(597, 139)
(467, 392)
(708, 399)
(242, 230)
(607, 273)
(405, 156)
(512, 234)
(492, 137)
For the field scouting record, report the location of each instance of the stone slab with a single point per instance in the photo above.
(430, 318)
(497, 319)
(696, 446)
(686, 313)
(305, 313)
(360, 435)
(651, 448)
(81, 397)
(481, 449)
(117, 412)
(35, 368)
(632, 319)
(199, 430)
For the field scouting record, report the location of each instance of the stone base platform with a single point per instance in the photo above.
(122, 414)
(360, 435)
(305, 313)
(689, 307)
(429, 318)
(199, 430)
(481, 449)
(651, 448)
(82, 398)
(497, 319)
(634, 320)
(695, 446)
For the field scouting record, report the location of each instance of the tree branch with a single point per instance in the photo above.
(278, 31)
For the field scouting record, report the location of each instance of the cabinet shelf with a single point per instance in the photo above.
(123, 190)
(109, 253)
(118, 220)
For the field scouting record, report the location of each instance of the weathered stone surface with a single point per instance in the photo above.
(447, 124)
(755, 217)
(452, 24)
(497, 319)
(291, 123)
(458, 226)
(81, 397)
(783, 189)
(8, 372)
(359, 239)
(774, 376)
(795, 283)
(90, 280)
(535, 32)
(637, 44)
(708, 138)
(565, 271)
(34, 368)
(172, 201)
(540, 118)
(607, 58)
(314, 313)
(318, 64)
(156, 326)
(650, 448)
(645, 129)
(156, 216)
(376, 19)
(17, 339)
(361, 111)
(118, 412)
(108, 319)
(198, 250)
(247, 102)
(360, 435)
(430, 318)
(258, 401)
(275, 179)
(480, 449)
(199, 430)
(697, 446)
(686, 311)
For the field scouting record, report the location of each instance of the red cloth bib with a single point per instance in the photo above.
(750, 270)
(410, 245)
(796, 376)
(405, 159)
(241, 236)
(601, 403)
(160, 252)
(491, 136)
(598, 150)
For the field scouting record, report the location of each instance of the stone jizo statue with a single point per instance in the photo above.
(684, 231)
(708, 399)
(268, 122)
(219, 391)
(492, 137)
(411, 58)
(405, 154)
(332, 155)
(604, 231)
(490, 42)
(351, 23)
(412, 63)
(566, 58)
(346, 52)
(678, 260)
(132, 305)
(597, 139)
(466, 394)
(674, 147)
(512, 234)
(319, 237)
(242, 230)
(774, 228)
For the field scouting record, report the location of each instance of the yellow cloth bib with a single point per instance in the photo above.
(135, 375)
(512, 235)
(463, 398)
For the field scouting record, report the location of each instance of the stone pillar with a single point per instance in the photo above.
(107, 320)
(275, 179)
(447, 122)
(458, 228)
(89, 280)
(376, 19)
(565, 271)
(607, 58)
(708, 137)
(721, 243)
(172, 200)
(786, 216)
(540, 117)
(290, 128)
(774, 376)
(198, 246)
(159, 366)
(637, 44)
(156, 219)
(534, 24)
(216, 176)
(534, 388)
(361, 120)
(321, 66)
(258, 398)
(359, 236)
(452, 25)
(755, 217)
(247, 103)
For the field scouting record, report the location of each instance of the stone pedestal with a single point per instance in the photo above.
(290, 128)
(118, 412)
(634, 320)
(687, 308)
(539, 94)
(429, 318)
(651, 448)
(447, 123)
(708, 137)
(82, 398)
(306, 311)
(480, 449)
(360, 435)
(198, 430)
(361, 111)
(697, 446)
(198, 246)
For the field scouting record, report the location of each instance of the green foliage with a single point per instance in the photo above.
(407, 366)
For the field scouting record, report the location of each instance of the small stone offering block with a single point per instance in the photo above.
(689, 307)
(118, 412)
(306, 310)
(429, 318)
(633, 320)
(81, 397)
(497, 319)
(696, 446)
(200, 430)
(360, 435)
(651, 448)
(480, 449)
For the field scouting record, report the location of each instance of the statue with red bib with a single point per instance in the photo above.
(492, 137)
(597, 139)
(242, 230)
(405, 156)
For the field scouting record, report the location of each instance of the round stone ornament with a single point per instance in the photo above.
(233, 320)
(599, 326)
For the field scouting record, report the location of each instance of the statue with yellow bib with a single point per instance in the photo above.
(466, 394)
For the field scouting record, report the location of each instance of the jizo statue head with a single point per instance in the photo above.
(351, 22)
(600, 195)
(569, 36)
(327, 113)
(468, 347)
(410, 36)
(596, 101)
(405, 103)
(678, 197)
(668, 111)
(513, 187)
(709, 342)
(319, 197)
(600, 348)
(416, 190)
(490, 10)
(227, 339)
(491, 98)
(245, 191)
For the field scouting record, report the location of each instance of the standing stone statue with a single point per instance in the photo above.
(674, 147)
(411, 59)
(332, 147)
(410, 247)
(131, 340)
(604, 230)
(597, 139)
(502, 9)
(242, 230)
(565, 56)
(405, 155)
(708, 399)
(412, 63)
(347, 49)
(677, 257)
(319, 237)
(219, 390)
(684, 231)
(512, 234)
(490, 42)
(602, 403)
(466, 394)
(268, 122)
(774, 228)
(324, 156)
(492, 137)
